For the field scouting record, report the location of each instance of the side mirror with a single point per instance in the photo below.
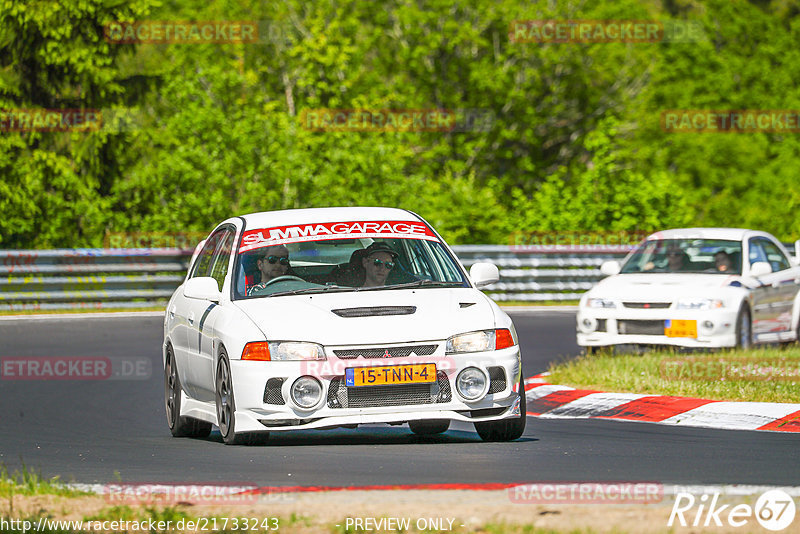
(202, 288)
(760, 268)
(484, 274)
(610, 268)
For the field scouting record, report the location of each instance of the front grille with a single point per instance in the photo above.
(648, 328)
(650, 305)
(394, 352)
(497, 379)
(272, 393)
(601, 325)
(341, 396)
(375, 311)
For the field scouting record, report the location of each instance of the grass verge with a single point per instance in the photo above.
(762, 375)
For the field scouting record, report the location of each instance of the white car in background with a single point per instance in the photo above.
(695, 287)
(277, 328)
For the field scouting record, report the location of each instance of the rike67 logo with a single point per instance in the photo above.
(774, 510)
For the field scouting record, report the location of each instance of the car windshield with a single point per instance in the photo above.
(686, 256)
(342, 257)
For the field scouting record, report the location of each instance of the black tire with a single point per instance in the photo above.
(429, 427)
(744, 328)
(181, 427)
(507, 429)
(226, 408)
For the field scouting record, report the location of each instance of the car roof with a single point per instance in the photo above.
(267, 219)
(730, 234)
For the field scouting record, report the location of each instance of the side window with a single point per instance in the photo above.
(203, 261)
(219, 267)
(775, 257)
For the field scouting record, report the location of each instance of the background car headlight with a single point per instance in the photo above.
(699, 304)
(471, 383)
(306, 392)
(481, 340)
(295, 350)
(600, 303)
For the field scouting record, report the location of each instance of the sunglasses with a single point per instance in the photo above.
(283, 260)
(388, 264)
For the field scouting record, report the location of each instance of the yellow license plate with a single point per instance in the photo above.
(680, 328)
(418, 373)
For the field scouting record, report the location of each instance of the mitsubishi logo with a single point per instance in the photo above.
(386, 354)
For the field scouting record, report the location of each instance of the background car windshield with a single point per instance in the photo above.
(686, 256)
(337, 263)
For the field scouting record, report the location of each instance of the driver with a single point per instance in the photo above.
(378, 261)
(272, 262)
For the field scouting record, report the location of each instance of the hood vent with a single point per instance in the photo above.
(375, 311)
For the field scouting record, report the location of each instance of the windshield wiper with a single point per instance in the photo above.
(417, 283)
(321, 289)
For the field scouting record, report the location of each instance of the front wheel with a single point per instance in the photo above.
(226, 408)
(181, 427)
(507, 429)
(744, 328)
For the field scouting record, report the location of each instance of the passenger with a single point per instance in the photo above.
(676, 259)
(378, 261)
(723, 262)
(272, 262)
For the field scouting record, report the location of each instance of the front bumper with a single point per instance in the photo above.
(609, 327)
(257, 407)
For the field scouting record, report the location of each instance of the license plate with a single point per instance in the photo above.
(680, 328)
(418, 373)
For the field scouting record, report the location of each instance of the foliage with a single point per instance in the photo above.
(574, 141)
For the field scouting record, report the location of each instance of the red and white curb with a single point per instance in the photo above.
(552, 401)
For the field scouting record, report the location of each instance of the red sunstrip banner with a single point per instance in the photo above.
(279, 235)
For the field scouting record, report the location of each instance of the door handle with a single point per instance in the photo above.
(191, 318)
(172, 312)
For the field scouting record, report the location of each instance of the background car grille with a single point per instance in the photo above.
(649, 328)
(375, 311)
(272, 393)
(642, 305)
(341, 396)
(497, 379)
(394, 352)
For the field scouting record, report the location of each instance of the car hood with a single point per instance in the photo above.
(658, 287)
(440, 313)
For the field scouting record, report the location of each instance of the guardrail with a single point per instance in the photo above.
(144, 278)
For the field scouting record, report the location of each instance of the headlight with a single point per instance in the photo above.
(600, 303)
(306, 392)
(480, 341)
(699, 304)
(294, 350)
(282, 351)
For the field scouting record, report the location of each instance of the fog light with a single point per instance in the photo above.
(306, 392)
(471, 383)
(588, 325)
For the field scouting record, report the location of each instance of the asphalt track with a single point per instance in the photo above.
(114, 430)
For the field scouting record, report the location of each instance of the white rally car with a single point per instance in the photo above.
(695, 287)
(318, 318)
